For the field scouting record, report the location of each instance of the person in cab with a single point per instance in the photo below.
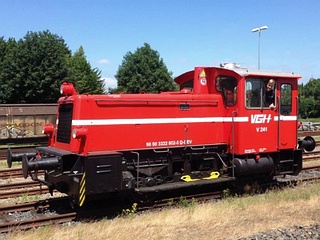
(270, 94)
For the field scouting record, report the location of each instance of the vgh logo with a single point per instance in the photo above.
(260, 118)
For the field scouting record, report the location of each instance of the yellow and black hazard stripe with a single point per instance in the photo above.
(82, 192)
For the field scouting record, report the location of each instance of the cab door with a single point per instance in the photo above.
(262, 126)
(287, 114)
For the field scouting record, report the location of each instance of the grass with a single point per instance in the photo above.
(316, 138)
(231, 218)
(309, 120)
(4, 165)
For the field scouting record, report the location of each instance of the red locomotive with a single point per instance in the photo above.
(216, 129)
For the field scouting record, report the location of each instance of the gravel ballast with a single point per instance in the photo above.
(296, 232)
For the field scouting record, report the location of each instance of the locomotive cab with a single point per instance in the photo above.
(270, 134)
(261, 135)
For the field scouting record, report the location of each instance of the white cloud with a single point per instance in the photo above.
(110, 82)
(103, 61)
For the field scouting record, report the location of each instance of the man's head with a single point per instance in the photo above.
(270, 85)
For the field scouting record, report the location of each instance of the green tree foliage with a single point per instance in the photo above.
(37, 66)
(9, 51)
(85, 79)
(143, 71)
(33, 68)
(3, 46)
(309, 95)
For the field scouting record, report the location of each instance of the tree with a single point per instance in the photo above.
(3, 46)
(34, 68)
(309, 95)
(8, 70)
(143, 71)
(85, 79)
(307, 107)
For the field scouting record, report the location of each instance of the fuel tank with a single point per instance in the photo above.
(250, 166)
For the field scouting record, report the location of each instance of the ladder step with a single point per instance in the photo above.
(286, 161)
(287, 172)
(208, 159)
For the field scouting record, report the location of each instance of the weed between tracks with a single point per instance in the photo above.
(232, 218)
(4, 164)
(23, 198)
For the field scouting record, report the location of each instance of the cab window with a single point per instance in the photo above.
(258, 93)
(228, 87)
(187, 85)
(286, 99)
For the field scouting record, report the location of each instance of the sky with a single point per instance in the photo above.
(186, 33)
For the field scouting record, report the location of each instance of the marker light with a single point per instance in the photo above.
(48, 129)
(79, 132)
(67, 89)
(299, 124)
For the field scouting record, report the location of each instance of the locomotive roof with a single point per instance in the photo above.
(247, 72)
(242, 72)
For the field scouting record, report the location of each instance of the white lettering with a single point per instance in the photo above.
(262, 129)
(169, 143)
(250, 150)
(260, 118)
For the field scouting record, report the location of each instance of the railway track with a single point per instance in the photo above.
(32, 215)
(308, 156)
(40, 217)
(35, 214)
(10, 173)
(37, 222)
(308, 133)
(14, 190)
(11, 187)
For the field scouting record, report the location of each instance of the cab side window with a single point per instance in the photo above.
(187, 85)
(253, 93)
(286, 99)
(228, 87)
(260, 93)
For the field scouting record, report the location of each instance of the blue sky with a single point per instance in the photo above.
(186, 33)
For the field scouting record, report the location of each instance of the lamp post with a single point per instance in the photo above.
(259, 29)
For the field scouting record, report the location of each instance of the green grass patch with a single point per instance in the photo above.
(4, 165)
